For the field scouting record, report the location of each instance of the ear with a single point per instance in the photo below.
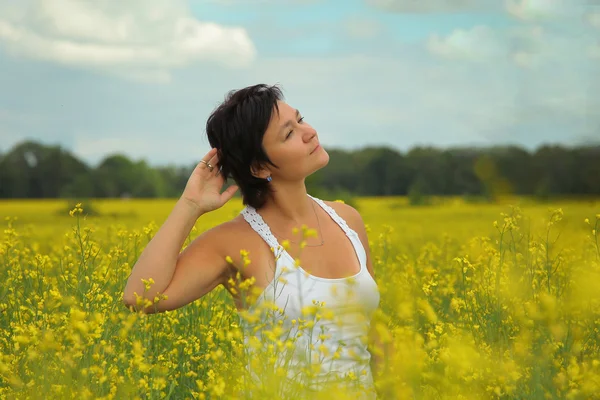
(259, 172)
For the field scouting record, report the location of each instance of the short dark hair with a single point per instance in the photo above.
(236, 128)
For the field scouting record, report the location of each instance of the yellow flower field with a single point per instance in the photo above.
(498, 301)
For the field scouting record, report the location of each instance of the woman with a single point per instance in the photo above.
(268, 149)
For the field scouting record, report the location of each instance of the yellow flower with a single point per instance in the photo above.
(147, 283)
(311, 233)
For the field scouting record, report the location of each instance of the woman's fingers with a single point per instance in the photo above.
(208, 159)
(228, 193)
(211, 158)
(215, 160)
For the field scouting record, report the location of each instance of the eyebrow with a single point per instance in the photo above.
(288, 123)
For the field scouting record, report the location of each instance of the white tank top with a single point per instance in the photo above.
(339, 337)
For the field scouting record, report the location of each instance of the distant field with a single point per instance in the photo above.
(475, 308)
(44, 218)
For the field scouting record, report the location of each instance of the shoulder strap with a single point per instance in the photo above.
(339, 220)
(260, 226)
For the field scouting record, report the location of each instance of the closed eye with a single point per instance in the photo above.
(290, 133)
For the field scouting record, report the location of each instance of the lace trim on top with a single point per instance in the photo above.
(259, 225)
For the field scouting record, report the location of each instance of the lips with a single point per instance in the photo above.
(315, 149)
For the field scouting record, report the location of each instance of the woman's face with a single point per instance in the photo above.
(293, 145)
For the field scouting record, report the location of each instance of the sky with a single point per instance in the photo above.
(141, 77)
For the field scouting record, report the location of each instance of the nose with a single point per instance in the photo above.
(309, 133)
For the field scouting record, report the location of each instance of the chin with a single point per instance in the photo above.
(319, 162)
(323, 159)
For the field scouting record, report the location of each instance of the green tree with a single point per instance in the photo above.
(33, 170)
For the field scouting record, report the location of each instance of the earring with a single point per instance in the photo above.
(269, 179)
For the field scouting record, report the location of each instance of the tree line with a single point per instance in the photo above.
(35, 170)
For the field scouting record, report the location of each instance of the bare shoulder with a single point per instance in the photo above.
(235, 237)
(223, 231)
(230, 231)
(219, 237)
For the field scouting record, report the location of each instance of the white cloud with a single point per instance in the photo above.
(523, 45)
(555, 83)
(594, 19)
(430, 6)
(527, 10)
(135, 39)
(536, 10)
(526, 46)
(478, 44)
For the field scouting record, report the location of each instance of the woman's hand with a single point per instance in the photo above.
(203, 188)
